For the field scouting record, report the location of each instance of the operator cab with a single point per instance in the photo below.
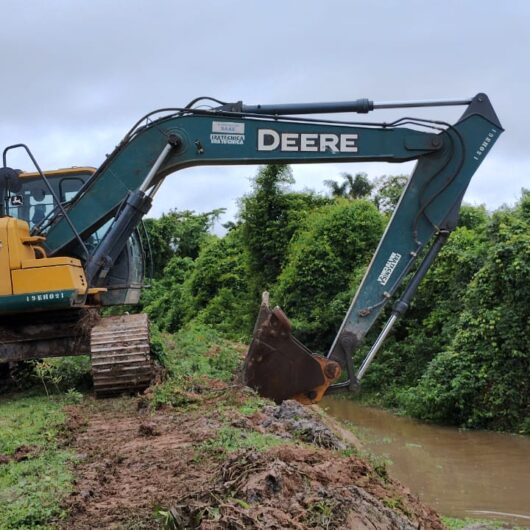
(33, 202)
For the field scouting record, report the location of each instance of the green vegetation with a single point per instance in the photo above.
(34, 471)
(461, 354)
(461, 524)
(229, 439)
(197, 359)
(324, 262)
(322, 513)
(478, 374)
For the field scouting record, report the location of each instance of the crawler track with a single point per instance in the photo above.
(120, 354)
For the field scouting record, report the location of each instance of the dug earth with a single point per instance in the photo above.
(228, 461)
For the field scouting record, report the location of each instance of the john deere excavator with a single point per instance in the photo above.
(69, 240)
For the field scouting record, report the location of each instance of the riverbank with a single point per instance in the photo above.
(197, 450)
(229, 461)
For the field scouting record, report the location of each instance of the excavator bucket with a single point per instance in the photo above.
(280, 367)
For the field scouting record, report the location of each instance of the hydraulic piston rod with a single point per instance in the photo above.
(361, 106)
(401, 306)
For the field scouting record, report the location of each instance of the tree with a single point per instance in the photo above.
(481, 379)
(164, 301)
(217, 292)
(388, 190)
(358, 187)
(325, 259)
(269, 217)
(177, 233)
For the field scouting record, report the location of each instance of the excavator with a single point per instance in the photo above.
(70, 239)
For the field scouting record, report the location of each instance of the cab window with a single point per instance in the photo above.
(35, 202)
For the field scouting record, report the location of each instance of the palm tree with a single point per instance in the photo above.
(358, 187)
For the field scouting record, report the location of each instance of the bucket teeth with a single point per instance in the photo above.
(280, 367)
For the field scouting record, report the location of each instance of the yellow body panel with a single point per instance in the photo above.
(5, 272)
(22, 272)
(50, 262)
(39, 279)
(17, 231)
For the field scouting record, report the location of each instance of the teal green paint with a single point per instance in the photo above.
(47, 300)
(442, 176)
(127, 167)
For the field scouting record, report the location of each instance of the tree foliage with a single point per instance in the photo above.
(177, 233)
(481, 379)
(269, 217)
(358, 187)
(218, 288)
(332, 244)
(388, 190)
(461, 354)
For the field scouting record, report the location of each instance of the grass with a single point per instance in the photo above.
(199, 350)
(453, 523)
(31, 490)
(229, 439)
(322, 514)
(196, 358)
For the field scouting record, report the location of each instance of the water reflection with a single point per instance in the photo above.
(459, 473)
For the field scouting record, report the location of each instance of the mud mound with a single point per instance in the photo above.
(131, 464)
(298, 488)
(142, 469)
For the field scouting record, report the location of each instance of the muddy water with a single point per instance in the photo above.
(459, 473)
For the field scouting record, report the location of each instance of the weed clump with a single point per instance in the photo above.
(199, 364)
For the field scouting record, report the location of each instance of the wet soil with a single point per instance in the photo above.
(143, 469)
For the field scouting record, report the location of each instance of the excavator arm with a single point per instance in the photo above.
(421, 223)
(121, 191)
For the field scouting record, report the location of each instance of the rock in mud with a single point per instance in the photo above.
(302, 423)
(148, 429)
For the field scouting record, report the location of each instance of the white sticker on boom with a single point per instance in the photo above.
(228, 127)
(389, 267)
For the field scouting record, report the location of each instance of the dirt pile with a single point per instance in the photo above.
(298, 488)
(140, 469)
(300, 422)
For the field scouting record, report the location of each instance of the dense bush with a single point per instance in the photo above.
(218, 289)
(164, 301)
(332, 246)
(177, 234)
(432, 320)
(461, 353)
(482, 378)
(269, 217)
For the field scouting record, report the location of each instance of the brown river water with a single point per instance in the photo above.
(478, 474)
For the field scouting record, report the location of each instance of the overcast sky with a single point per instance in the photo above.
(77, 74)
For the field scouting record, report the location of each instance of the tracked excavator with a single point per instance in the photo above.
(70, 244)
